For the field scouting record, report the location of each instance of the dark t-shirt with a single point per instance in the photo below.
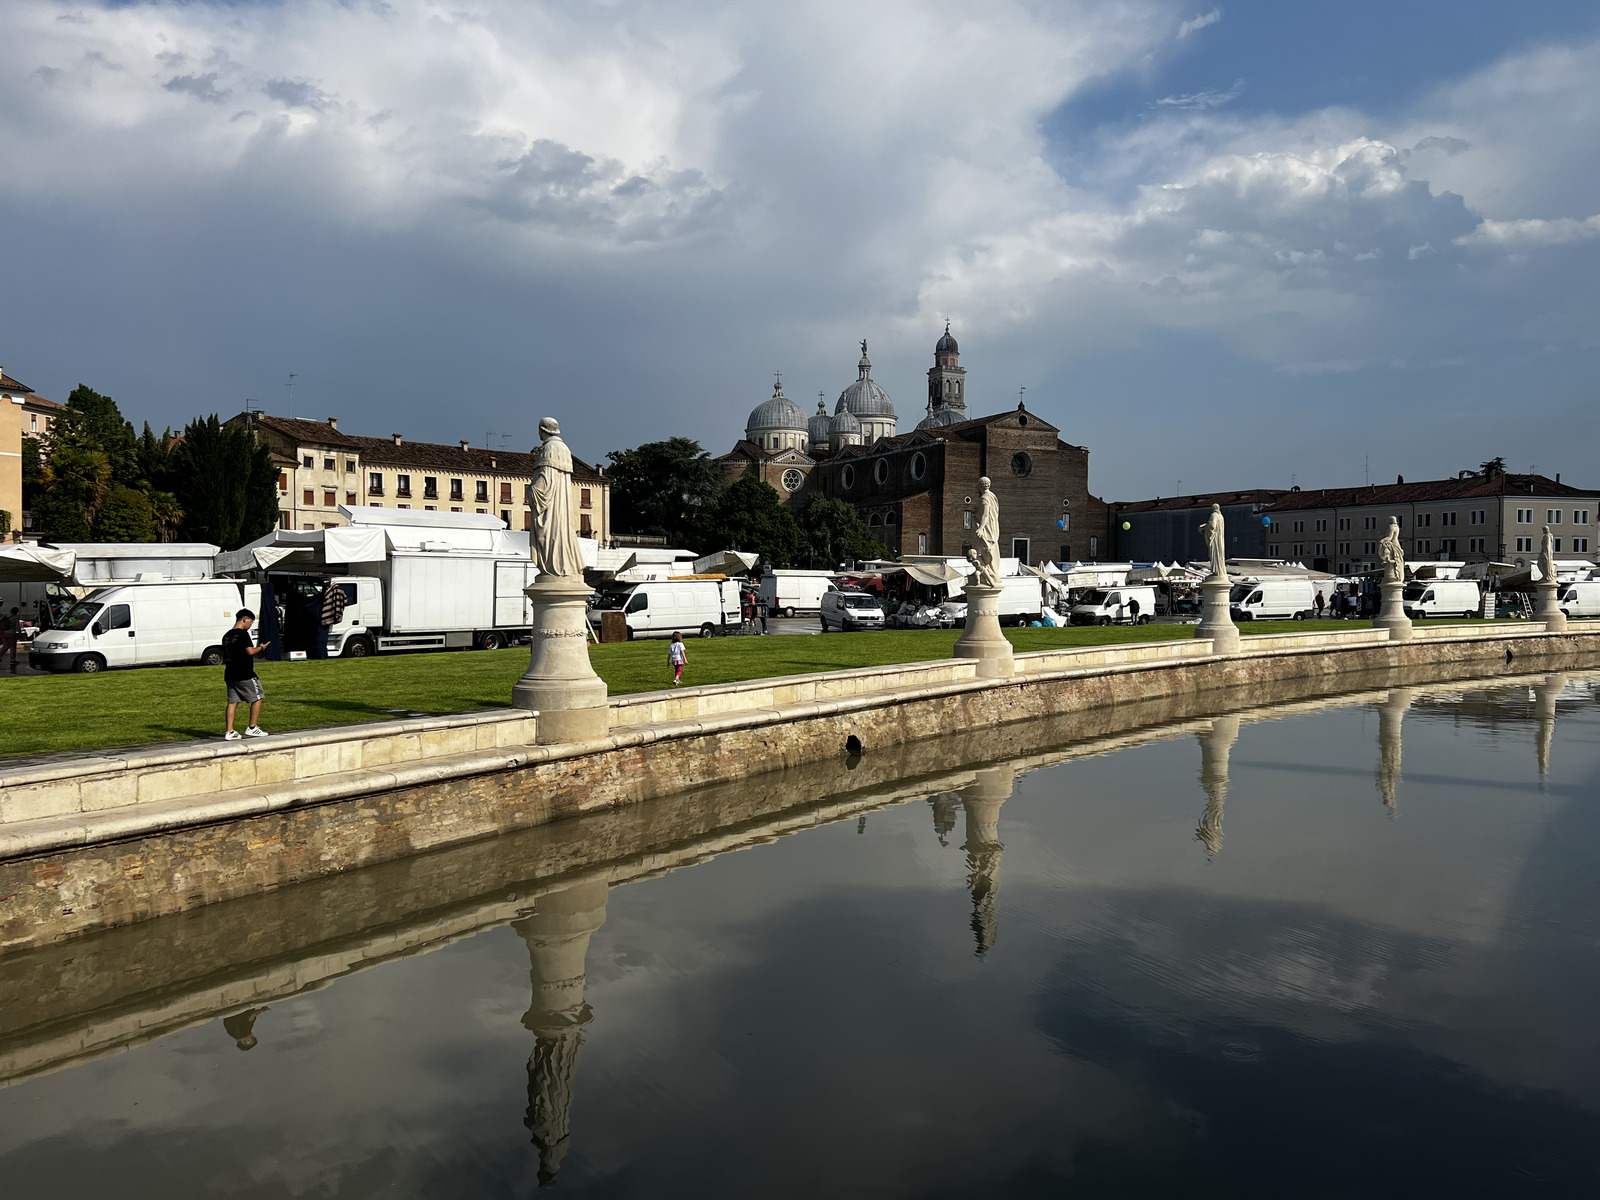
(237, 661)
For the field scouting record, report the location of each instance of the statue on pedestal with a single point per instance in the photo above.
(1392, 554)
(1547, 557)
(985, 556)
(555, 540)
(1216, 543)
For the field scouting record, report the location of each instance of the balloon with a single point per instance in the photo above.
(1127, 525)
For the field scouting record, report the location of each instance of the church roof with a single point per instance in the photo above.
(946, 344)
(844, 421)
(817, 426)
(777, 412)
(865, 397)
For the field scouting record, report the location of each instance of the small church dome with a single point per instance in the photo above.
(946, 344)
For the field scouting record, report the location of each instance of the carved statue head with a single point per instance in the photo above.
(549, 427)
(1394, 524)
(1217, 508)
(983, 483)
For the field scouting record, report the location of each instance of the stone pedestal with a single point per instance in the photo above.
(1216, 622)
(1549, 611)
(1392, 613)
(560, 684)
(982, 639)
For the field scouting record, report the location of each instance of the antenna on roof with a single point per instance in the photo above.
(290, 386)
(504, 438)
(252, 405)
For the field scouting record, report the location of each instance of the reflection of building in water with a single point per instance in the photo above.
(982, 801)
(944, 814)
(557, 936)
(1215, 745)
(1545, 694)
(241, 1027)
(1390, 714)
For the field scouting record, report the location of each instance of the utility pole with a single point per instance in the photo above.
(290, 386)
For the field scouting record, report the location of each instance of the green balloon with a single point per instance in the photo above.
(1127, 525)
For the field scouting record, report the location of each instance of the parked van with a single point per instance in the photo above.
(144, 625)
(1581, 599)
(688, 606)
(791, 592)
(1273, 600)
(1114, 606)
(1442, 598)
(851, 610)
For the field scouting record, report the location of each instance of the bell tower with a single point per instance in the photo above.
(947, 380)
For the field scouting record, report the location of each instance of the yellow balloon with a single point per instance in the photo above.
(1127, 525)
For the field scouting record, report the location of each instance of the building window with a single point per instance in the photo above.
(481, 494)
(1322, 527)
(283, 521)
(350, 499)
(1369, 522)
(891, 518)
(1094, 547)
(505, 493)
(1525, 544)
(283, 482)
(33, 422)
(1447, 546)
(527, 520)
(922, 543)
(1474, 545)
(1424, 546)
(1580, 545)
(1552, 516)
(505, 515)
(349, 466)
(374, 483)
(308, 497)
(966, 519)
(1524, 516)
(584, 527)
(919, 465)
(1344, 547)
(430, 487)
(1424, 520)
(1447, 518)
(307, 461)
(455, 492)
(1299, 526)
(402, 485)
(330, 498)
(1299, 547)
(1369, 547)
(328, 464)
(402, 506)
(1021, 464)
(880, 472)
(1322, 547)
(1475, 517)
(455, 508)
(874, 520)
(847, 478)
(791, 480)
(1580, 516)
(1272, 549)
(1019, 549)
(433, 508)
(586, 495)
(1344, 523)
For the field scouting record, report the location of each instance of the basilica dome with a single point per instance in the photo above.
(844, 421)
(776, 413)
(946, 344)
(940, 416)
(818, 425)
(864, 397)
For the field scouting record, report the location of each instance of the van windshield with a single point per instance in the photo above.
(80, 615)
(1239, 592)
(1414, 591)
(1094, 596)
(858, 602)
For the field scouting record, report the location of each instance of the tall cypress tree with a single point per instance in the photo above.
(225, 484)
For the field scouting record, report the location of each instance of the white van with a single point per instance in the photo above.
(791, 592)
(1581, 599)
(1273, 600)
(144, 625)
(1114, 606)
(851, 610)
(687, 606)
(1442, 598)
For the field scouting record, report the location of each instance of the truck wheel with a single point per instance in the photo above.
(1299, 616)
(492, 641)
(708, 630)
(1103, 621)
(789, 612)
(1467, 616)
(89, 664)
(212, 657)
(357, 647)
(630, 633)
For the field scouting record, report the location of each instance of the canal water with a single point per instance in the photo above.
(1327, 950)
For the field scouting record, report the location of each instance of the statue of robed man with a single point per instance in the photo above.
(985, 556)
(1216, 543)
(555, 541)
(1547, 557)
(1392, 554)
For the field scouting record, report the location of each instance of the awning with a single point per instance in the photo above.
(29, 563)
(933, 574)
(726, 562)
(259, 558)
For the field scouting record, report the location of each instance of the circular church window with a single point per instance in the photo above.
(1021, 464)
(792, 479)
(847, 478)
(919, 465)
(880, 471)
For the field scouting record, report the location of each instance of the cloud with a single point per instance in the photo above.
(1444, 145)
(201, 87)
(1203, 99)
(1532, 232)
(1196, 24)
(297, 93)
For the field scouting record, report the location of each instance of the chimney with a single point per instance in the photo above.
(396, 438)
(1399, 478)
(333, 424)
(465, 444)
(1558, 476)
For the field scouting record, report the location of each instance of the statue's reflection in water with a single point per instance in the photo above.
(557, 936)
(1216, 743)
(1391, 713)
(982, 800)
(241, 1027)
(1545, 695)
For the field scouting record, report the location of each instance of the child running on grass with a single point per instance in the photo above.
(678, 655)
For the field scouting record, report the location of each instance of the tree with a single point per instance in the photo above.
(664, 488)
(126, 516)
(1495, 466)
(833, 532)
(74, 483)
(224, 483)
(101, 423)
(749, 516)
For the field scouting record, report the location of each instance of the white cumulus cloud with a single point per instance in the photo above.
(1196, 24)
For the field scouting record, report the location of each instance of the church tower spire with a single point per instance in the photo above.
(947, 383)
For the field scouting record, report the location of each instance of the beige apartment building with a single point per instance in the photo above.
(1472, 518)
(321, 468)
(26, 415)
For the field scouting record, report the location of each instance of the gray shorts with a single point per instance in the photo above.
(245, 691)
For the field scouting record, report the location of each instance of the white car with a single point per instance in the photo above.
(851, 610)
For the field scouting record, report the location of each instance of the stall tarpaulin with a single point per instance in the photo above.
(29, 563)
(261, 558)
(933, 574)
(354, 544)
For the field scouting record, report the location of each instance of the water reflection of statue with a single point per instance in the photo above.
(241, 1027)
(944, 814)
(1215, 745)
(1215, 533)
(1390, 715)
(982, 801)
(1546, 693)
(557, 936)
(1392, 555)
(555, 538)
(1547, 557)
(986, 554)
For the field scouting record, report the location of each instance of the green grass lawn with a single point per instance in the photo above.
(122, 708)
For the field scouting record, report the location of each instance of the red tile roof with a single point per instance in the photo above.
(8, 384)
(1471, 487)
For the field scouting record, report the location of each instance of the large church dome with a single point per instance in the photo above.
(777, 412)
(864, 397)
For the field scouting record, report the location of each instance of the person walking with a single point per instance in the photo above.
(239, 675)
(333, 602)
(1318, 603)
(761, 611)
(678, 656)
(10, 631)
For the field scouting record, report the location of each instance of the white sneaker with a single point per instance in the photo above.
(255, 731)
(231, 736)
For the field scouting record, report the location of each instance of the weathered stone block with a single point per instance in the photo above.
(380, 752)
(45, 800)
(180, 781)
(108, 791)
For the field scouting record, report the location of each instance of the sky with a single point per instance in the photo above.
(1244, 244)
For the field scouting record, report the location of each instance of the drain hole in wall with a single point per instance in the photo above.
(852, 744)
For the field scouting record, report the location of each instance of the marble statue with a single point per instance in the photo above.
(1216, 543)
(1547, 557)
(555, 540)
(986, 554)
(1392, 554)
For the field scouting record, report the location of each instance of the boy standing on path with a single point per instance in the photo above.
(678, 655)
(239, 674)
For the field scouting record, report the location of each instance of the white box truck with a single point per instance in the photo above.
(788, 593)
(1442, 598)
(144, 624)
(1291, 598)
(703, 607)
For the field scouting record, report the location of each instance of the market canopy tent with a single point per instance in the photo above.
(35, 564)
